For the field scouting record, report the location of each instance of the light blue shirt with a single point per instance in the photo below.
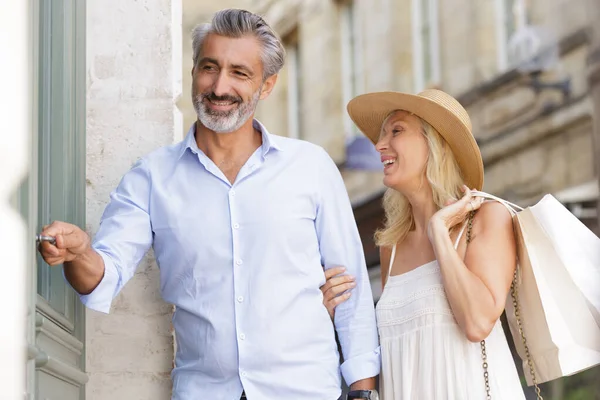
(243, 265)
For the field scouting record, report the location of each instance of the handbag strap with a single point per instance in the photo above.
(486, 375)
(514, 291)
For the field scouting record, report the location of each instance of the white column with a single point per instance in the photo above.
(14, 161)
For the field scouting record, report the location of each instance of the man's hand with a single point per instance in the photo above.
(334, 288)
(71, 242)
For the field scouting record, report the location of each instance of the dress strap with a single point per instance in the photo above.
(391, 263)
(462, 230)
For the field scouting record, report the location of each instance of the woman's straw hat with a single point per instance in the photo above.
(439, 109)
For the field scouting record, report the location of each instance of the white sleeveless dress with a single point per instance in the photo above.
(424, 353)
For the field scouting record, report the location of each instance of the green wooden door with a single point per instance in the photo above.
(55, 190)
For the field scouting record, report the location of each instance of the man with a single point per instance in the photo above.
(241, 223)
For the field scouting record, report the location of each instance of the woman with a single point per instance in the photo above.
(446, 269)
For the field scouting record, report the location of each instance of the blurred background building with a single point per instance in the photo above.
(519, 67)
(107, 82)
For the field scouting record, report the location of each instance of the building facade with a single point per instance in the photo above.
(534, 126)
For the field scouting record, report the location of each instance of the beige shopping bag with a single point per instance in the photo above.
(556, 322)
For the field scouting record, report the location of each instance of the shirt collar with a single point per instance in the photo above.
(269, 141)
(189, 142)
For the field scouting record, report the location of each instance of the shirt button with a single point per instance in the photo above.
(242, 336)
(232, 192)
(244, 373)
(239, 262)
(236, 226)
(240, 299)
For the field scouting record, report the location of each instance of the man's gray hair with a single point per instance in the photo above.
(235, 23)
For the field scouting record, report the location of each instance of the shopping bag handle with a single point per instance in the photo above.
(512, 208)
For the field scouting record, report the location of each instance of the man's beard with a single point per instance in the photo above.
(224, 121)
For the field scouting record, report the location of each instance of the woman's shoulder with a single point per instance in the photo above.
(493, 215)
(385, 252)
(385, 249)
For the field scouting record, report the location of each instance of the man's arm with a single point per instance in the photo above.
(99, 271)
(340, 245)
(364, 384)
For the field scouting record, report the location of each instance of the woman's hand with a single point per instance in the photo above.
(336, 289)
(454, 213)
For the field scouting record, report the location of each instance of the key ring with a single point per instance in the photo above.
(39, 239)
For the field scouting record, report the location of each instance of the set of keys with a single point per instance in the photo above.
(39, 239)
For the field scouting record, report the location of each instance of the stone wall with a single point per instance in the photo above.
(133, 82)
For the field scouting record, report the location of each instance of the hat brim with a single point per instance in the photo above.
(368, 111)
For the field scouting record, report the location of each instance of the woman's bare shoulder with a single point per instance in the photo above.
(493, 215)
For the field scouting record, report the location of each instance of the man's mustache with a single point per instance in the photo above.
(213, 97)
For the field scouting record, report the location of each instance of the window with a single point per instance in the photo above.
(294, 87)
(505, 28)
(426, 46)
(351, 61)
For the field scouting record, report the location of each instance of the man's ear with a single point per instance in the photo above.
(268, 86)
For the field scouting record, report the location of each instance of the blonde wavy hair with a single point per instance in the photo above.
(444, 176)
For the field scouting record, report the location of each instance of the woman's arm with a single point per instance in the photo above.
(477, 287)
(337, 287)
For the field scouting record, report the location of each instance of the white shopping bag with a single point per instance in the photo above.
(556, 290)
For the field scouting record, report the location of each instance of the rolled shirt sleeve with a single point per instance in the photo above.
(124, 236)
(340, 245)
